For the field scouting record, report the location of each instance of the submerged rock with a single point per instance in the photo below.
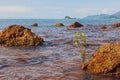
(17, 35)
(74, 25)
(105, 60)
(35, 25)
(59, 24)
(116, 24)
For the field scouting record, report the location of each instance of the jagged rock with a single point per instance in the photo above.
(59, 24)
(105, 60)
(35, 25)
(17, 35)
(74, 25)
(116, 24)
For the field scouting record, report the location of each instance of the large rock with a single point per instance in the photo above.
(59, 24)
(105, 60)
(16, 35)
(116, 24)
(34, 25)
(74, 25)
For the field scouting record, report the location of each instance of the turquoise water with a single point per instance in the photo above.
(46, 27)
(49, 22)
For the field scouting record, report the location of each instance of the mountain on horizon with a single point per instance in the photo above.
(116, 15)
(104, 16)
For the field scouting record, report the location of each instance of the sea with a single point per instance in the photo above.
(47, 26)
(58, 58)
(49, 22)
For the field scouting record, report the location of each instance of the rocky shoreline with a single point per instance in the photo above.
(59, 59)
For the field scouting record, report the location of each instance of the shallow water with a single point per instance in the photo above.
(58, 58)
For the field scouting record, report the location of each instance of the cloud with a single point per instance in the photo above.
(85, 10)
(14, 9)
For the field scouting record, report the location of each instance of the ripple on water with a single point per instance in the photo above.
(57, 59)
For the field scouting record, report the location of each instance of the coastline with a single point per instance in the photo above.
(58, 58)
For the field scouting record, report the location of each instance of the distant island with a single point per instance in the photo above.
(68, 17)
(104, 16)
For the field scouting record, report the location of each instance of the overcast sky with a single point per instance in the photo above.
(11, 9)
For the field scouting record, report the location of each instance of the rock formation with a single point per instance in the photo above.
(17, 35)
(35, 25)
(59, 24)
(116, 25)
(74, 25)
(102, 27)
(105, 60)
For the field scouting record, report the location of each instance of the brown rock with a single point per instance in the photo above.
(105, 60)
(59, 24)
(35, 25)
(74, 25)
(103, 27)
(116, 24)
(16, 35)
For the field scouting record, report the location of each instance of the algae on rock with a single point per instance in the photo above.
(105, 60)
(17, 35)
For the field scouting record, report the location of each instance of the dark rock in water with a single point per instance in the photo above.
(74, 25)
(116, 24)
(105, 60)
(59, 24)
(103, 27)
(17, 35)
(35, 25)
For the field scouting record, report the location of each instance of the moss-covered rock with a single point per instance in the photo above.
(17, 35)
(105, 60)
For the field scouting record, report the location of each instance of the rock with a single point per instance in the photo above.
(105, 60)
(59, 24)
(35, 25)
(116, 24)
(103, 27)
(74, 25)
(17, 35)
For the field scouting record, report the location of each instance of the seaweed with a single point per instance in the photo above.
(82, 42)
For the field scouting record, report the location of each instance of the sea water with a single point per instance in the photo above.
(59, 56)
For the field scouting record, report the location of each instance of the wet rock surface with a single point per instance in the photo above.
(74, 25)
(17, 35)
(105, 60)
(116, 24)
(34, 25)
(59, 24)
(103, 27)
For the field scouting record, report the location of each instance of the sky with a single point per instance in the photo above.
(56, 9)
